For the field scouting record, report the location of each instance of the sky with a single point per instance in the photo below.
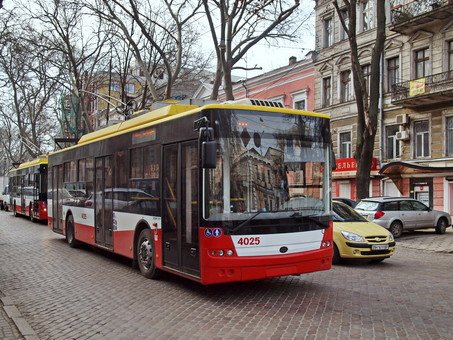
(268, 56)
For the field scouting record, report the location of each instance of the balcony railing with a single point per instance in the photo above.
(433, 89)
(407, 14)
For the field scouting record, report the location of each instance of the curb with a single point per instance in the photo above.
(14, 314)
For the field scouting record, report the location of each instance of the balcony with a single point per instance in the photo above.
(409, 16)
(434, 89)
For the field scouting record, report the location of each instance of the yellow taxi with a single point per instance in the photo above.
(357, 238)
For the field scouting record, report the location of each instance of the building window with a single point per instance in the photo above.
(393, 72)
(450, 136)
(393, 144)
(115, 86)
(345, 86)
(367, 15)
(129, 88)
(345, 16)
(450, 55)
(328, 32)
(300, 100)
(326, 92)
(345, 145)
(421, 63)
(421, 133)
(367, 75)
(300, 105)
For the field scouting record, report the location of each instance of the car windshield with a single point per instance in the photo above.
(367, 205)
(344, 213)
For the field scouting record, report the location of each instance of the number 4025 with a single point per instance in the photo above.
(249, 241)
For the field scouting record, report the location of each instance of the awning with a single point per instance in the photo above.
(396, 170)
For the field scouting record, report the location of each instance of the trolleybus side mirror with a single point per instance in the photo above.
(208, 144)
(209, 154)
(333, 160)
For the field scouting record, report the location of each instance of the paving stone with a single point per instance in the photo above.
(66, 293)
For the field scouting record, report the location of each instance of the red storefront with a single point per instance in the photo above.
(344, 178)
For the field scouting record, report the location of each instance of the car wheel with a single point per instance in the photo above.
(441, 226)
(145, 255)
(336, 259)
(396, 228)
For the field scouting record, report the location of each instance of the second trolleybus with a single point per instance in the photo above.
(217, 193)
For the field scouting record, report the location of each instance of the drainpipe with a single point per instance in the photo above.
(381, 119)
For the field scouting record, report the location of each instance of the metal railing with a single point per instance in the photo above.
(433, 84)
(404, 10)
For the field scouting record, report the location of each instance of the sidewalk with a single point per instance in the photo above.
(427, 240)
(12, 325)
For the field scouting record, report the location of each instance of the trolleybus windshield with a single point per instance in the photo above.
(270, 166)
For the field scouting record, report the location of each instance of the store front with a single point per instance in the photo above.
(344, 178)
(432, 185)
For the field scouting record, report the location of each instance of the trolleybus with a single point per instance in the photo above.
(28, 189)
(214, 193)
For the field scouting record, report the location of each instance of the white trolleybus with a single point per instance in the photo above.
(217, 193)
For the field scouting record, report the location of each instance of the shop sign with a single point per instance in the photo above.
(350, 164)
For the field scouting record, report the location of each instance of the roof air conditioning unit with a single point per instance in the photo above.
(402, 119)
(402, 135)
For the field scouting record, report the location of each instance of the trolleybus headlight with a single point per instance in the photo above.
(220, 252)
(213, 252)
(229, 252)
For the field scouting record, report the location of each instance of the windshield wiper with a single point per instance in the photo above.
(244, 223)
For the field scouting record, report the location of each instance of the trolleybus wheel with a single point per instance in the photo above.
(70, 236)
(145, 255)
(31, 214)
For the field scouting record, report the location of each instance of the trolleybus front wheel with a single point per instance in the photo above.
(145, 255)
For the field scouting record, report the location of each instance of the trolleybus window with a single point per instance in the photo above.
(269, 167)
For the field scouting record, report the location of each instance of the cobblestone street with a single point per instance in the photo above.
(65, 293)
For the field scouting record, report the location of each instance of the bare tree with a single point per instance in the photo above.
(79, 47)
(159, 34)
(27, 90)
(238, 25)
(367, 105)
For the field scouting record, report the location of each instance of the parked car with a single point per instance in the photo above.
(347, 201)
(403, 213)
(355, 237)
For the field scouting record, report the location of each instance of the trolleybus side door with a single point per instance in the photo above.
(57, 198)
(103, 201)
(180, 208)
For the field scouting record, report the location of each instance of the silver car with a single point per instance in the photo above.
(402, 213)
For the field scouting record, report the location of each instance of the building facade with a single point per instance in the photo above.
(414, 144)
(292, 85)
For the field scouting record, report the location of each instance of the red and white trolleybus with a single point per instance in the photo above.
(214, 193)
(28, 189)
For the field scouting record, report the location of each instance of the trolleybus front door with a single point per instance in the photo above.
(57, 198)
(103, 201)
(180, 208)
